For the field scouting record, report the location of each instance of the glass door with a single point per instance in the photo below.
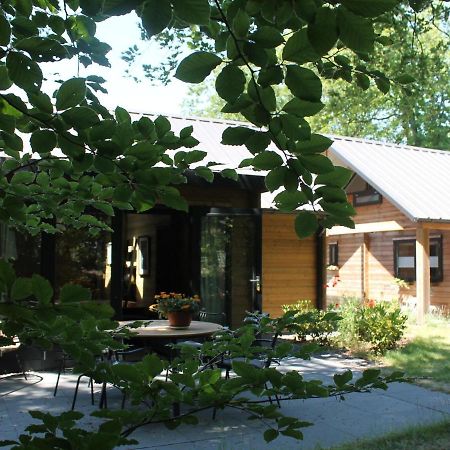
(230, 249)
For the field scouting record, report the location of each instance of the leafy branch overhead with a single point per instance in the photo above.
(68, 149)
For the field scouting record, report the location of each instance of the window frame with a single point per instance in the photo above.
(434, 239)
(333, 261)
(368, 191)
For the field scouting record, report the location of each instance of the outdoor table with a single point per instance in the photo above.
(160, 329)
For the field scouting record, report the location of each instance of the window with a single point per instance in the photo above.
(405, 259)
(368, 197)
(333, 258)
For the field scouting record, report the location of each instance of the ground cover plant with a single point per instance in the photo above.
(427, 437)
(426, 353)
(66, 154)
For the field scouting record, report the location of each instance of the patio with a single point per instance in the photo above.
(335, 421)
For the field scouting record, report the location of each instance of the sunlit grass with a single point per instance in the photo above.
(426, 354)
(430, 437)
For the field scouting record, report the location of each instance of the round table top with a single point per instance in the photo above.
(161, 329)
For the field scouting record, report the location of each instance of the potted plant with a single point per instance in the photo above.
(177, 308)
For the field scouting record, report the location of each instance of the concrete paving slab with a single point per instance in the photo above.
(335, 421)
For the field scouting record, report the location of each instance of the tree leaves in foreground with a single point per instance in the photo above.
(64, 154)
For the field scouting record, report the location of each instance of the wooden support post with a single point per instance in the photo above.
(422, 272)
(365, 266)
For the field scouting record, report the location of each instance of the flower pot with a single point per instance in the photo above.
(179, 319)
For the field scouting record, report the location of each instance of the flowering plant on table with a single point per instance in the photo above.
(167, 302)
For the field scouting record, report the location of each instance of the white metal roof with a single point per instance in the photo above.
(209, 133)
(416, 180)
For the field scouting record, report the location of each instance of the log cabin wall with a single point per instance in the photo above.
(288, 263)
(379, 282)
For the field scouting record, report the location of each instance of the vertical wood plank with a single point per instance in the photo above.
(422, 272)
(365, 264)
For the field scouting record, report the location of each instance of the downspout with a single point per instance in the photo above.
(320, 237)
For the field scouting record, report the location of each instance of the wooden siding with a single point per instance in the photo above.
(288, 263)
(379, 280)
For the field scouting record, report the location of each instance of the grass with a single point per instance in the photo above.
(429, 437)
(426, 354)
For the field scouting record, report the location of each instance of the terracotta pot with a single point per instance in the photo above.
(179, 319)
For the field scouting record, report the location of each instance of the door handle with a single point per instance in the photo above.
(257, 281)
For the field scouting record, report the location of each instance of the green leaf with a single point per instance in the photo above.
(275, 178)
(21, 289)
(230, 83)
(289, 201)
(267, 37)
(230, 173)
(5, 31)
(156, 16)
(316, 163)
(303, 83)
(42, 49)
(270, 75)
(12, 141)
(306, 9)
(241, 23)
(306, 224)
(236, 135)
(339, 177)
(71, 93)
(267, 160)
(325, 20)
(383, 84)
(355, 31)
(363, 81)
(270, 434)
(24, 72)
(41, 101)
(104, 164)
(332, 194)
(171, 197)
(41, 289)
(205, 172)
(405, 79)
(80, 117)
(302, 108)
(258, 142)
(43, 141)
(299, 49)
(192, 11)
(5, 81)
(73, 293)
(369, 8)
(342, 379)
(197, 66)
(317, 144)
(24, 7)
(340, 209)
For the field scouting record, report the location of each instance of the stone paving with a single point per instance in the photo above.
(335, 421)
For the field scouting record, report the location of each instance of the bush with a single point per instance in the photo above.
(315, 323)
(379, 324)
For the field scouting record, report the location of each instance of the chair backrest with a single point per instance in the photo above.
(206, 316)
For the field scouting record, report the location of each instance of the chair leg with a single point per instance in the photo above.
(91, 381)
(61, 368)
(103, 400)
(76, 392)
(124, 397)
(278, 400)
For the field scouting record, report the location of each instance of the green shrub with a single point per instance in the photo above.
(379, 324)
(308, 321)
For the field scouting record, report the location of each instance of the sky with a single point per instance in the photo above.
(144, 97)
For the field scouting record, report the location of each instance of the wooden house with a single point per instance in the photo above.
(402, 231)
(237, 255)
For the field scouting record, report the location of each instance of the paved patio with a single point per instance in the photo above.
(335, 421)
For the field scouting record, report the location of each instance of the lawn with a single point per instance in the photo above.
(430, 437)
(426, 354)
